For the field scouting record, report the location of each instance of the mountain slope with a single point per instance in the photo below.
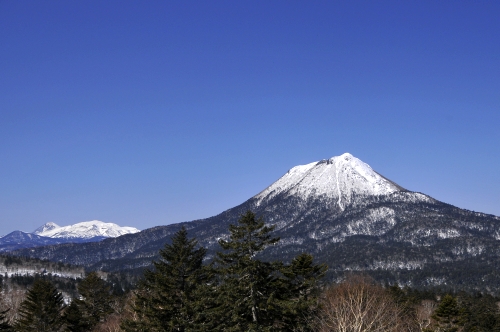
(347, 216)
(17, 239)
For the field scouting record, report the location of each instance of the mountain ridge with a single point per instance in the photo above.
(84, 230)
(50, 234)
(378, 227)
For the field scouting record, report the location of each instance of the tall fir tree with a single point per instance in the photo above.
(246, 283)
(166, 296)
(73, 319)
(255, 295)
(94, 305)
(41, 310)
(296, 296)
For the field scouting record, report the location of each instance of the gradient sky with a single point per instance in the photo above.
(147, 113)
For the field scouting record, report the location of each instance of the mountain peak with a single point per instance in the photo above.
(337, 179)
(345, 156)
(87, 230)
(46, 227)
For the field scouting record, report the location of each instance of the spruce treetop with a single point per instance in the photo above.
(247, 238)
(41, 310)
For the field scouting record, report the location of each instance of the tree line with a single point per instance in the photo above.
(237, 291)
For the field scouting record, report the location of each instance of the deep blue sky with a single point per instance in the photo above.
(146, 113)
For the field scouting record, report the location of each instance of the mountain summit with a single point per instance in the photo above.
(45, 228)
(338, 179)
(84, 230)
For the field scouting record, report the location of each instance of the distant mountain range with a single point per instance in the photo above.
(345, 214)
(51, 233)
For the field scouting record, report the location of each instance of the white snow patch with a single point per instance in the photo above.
(377, 222)
(447, 233)
(396, 265)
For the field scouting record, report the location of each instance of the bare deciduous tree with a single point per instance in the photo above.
(423, 313)
(12, 300)
(360, 305)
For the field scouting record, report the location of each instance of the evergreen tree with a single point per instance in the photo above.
(479, 313)
(255, 295)
(447, 314)
(94, 305)
(41, 310)
(296, 293)
(4, 324)
(74, 320)
(246, 283)
(166, 297)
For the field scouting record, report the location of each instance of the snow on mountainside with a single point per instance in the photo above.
(44, 228)
(337, 178)
(84, 230)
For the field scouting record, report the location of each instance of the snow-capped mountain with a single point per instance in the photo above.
(346, 215)
(338, 179)
(84, 230)
(51, 233)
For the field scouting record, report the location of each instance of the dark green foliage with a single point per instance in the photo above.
(256, 295)
(246, 283)
(479, 313)
(121, 283)
(296, 293)
(447, 314)
(74, 320)
(4, 324)
(93, 306)
(41, 310)
(166, 297)
(67, 285)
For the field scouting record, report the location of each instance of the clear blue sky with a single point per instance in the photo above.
(147, 113)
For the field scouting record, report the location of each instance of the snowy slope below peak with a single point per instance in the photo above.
(87, 230)
(338, 178)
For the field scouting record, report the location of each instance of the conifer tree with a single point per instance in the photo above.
(4, 324)
(246, 283)
(95, 303)
(41, 310)
(296, 293)
(166, 296)
(256, 295)
(447, 314)
(74, 320)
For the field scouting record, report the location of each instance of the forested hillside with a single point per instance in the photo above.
(238, 292)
